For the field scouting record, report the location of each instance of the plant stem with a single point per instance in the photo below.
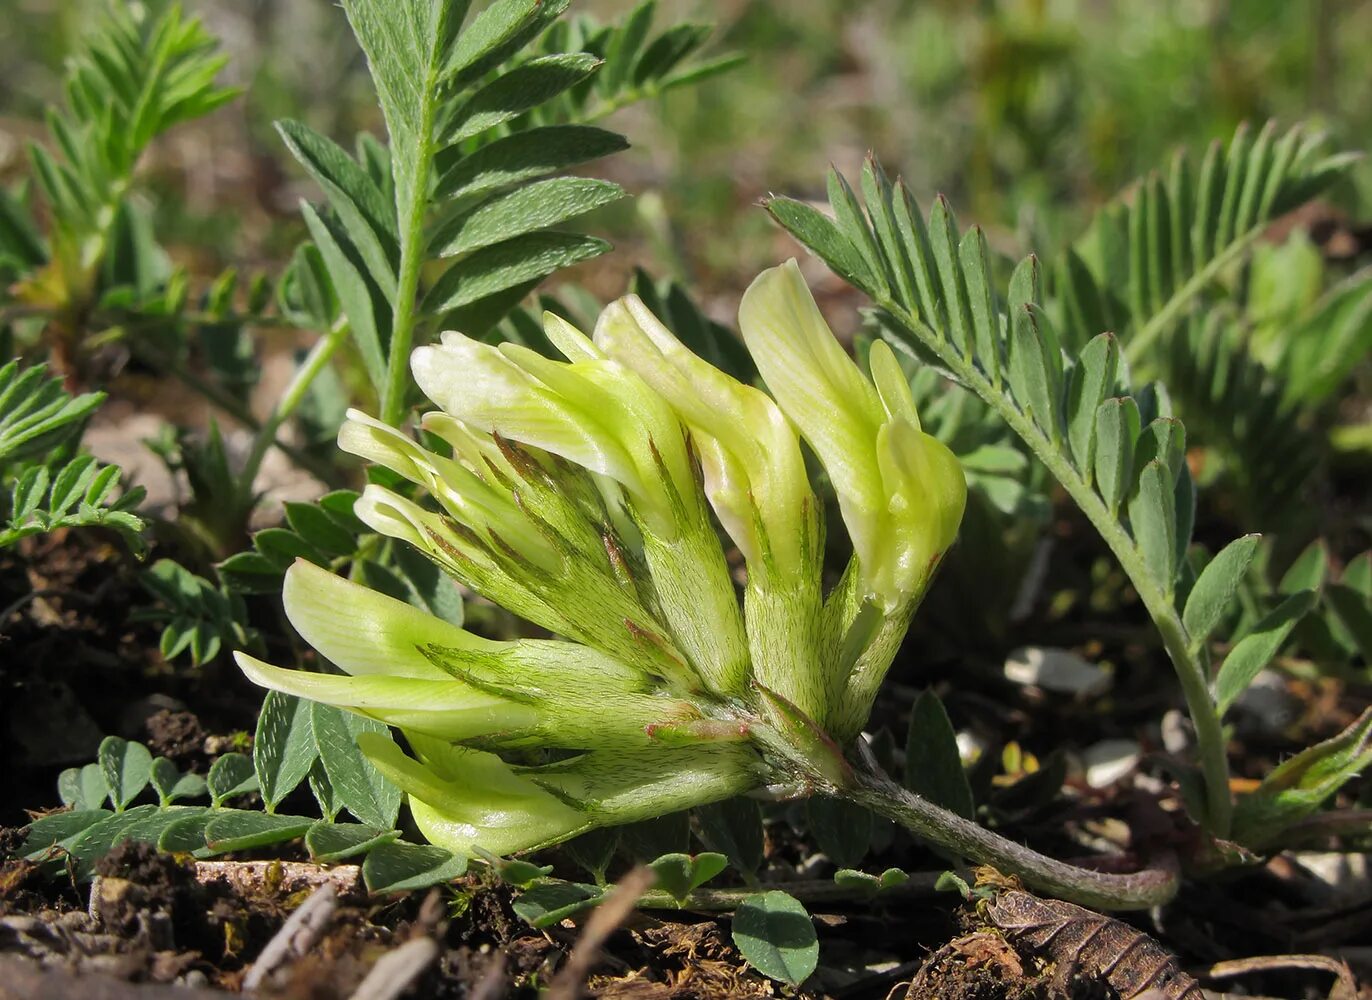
(411, 222)
(320, 355)
(1159, 604)
(1099, 890)
(805, 890)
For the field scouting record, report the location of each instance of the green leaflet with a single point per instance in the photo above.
(933, 765)
(127, 768)
(1117, 426)
(232, 774)
(681, 874)
(358, 296)
(507, 265)
(526, 86)
(842, 830)
(397, 867)
(283, 749)
(521, 157)
(366, 215)
(819, 233)
(775, 934)
(1214, 589)
(1091, 379)
(489, 32)
(1255, 650)
(359, 786)
(523, 210)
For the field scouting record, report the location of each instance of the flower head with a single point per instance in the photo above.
(901, 491)
(578, 494)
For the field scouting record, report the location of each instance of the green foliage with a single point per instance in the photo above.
(1298, 786)
(775, 934)
(126, 772)
(137, 76)
(200, 619)
(1120, 457)
(681, 874)
(36, 415)
(1145, 261)
(80, 494)
(933, 764)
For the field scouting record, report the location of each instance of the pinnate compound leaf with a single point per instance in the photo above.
(127, 768)
(1214, 589)
(1255, 650)
(398, 866)
(283, 749)
(933, 765)
(776, 936)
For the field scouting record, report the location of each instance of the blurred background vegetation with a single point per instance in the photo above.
(1028, 114)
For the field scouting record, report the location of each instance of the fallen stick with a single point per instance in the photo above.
(296, 936)
(604, 921)
(397, 970)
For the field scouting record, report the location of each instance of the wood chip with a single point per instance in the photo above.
(279, 878)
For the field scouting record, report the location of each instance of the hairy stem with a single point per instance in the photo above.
(411, 219)
(805, 890)
(1099, 890)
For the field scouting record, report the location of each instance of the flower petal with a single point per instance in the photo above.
(443, 708)
(365, 632)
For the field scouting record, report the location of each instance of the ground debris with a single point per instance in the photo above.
(683, 961)
(1081, 943)
(978, 966)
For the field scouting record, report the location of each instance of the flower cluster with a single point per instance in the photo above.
(583, 496)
